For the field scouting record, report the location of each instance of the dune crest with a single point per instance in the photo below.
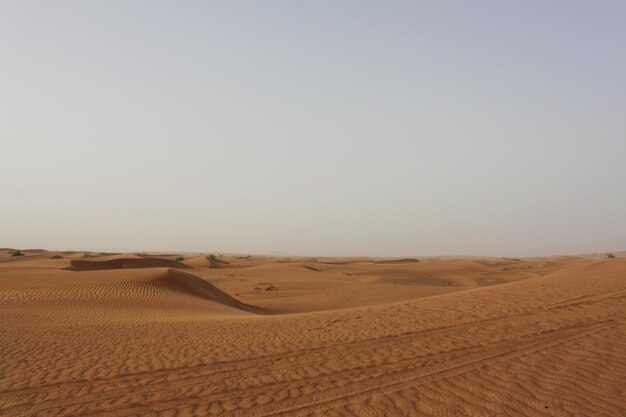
(196, 286)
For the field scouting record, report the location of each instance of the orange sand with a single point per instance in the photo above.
(136, 335)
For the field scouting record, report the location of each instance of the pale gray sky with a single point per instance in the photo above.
(382, 128)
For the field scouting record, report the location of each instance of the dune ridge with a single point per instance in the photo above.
(124, 263)
(181, 280)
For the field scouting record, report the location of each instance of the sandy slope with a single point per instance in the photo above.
(302, 336)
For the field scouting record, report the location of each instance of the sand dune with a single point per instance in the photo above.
(365, 260)
(200, 288)
(432, 338)
(124, 263)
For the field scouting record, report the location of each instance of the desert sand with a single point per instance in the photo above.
(102, 334)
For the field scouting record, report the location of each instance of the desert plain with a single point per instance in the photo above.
(136, 334)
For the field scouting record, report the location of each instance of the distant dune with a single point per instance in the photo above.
(124, 263)
(135, 335)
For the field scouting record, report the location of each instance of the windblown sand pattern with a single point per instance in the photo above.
(342, 337)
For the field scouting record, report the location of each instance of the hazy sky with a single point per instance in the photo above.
(314, 127)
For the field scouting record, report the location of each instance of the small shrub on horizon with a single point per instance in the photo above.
(214, 262)
(610, 256)
(180, 259)
(17, 252)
